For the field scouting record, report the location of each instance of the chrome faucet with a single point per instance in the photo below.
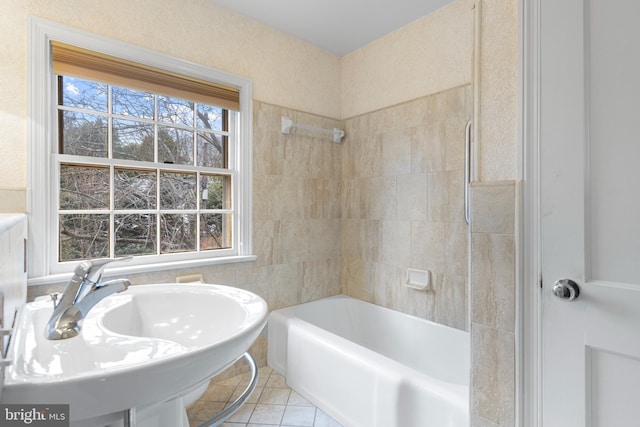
(83, 291)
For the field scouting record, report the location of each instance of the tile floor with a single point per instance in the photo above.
(272, 403)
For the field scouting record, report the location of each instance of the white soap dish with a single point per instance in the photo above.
(418, 279)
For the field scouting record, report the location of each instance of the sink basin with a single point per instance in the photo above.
(147, 345)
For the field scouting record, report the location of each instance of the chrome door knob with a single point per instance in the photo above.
(566, 289)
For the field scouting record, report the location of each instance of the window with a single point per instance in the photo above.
(140, 173)
(147, 157)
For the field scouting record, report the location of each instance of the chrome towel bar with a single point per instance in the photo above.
(288, 124)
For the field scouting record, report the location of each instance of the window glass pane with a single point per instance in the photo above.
(134, 103)
(215, 191)
(135, 234)
(176, 111)
(83, 94)
(132, 140)
(178, 232)
(84, 236)
(209, 117)
(83, 134)
(177, 191)
(175, 146)
(215, 231)
(212, 150)
(134, 189)
(84, 187)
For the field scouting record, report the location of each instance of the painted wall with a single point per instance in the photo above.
(427, 56)
(285, 71)
(498, 121)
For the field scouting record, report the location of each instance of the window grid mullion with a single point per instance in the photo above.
(195, 164)
(142, 211)
(112, 220)
(155, 130)
(156, 157)
(158, 205)
(107, 114)
(139, 165)
(194, 137)
(109, 123)
(198, 206)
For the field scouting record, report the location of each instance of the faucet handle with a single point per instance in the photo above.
(91, 270)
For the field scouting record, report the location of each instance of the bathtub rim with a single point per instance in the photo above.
(283, 315)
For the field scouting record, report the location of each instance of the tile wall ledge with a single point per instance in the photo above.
(296, 110)
(14, 200)
(401, 103)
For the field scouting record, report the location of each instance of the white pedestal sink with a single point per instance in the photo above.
(139, 348)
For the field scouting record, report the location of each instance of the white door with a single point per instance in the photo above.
(590, 211)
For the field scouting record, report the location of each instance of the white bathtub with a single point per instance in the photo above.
(368, 366)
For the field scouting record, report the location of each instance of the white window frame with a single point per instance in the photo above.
(43, 265)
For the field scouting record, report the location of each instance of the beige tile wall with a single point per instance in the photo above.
(403, 205)
(296, 205)
(296, 221)
(493, 304)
